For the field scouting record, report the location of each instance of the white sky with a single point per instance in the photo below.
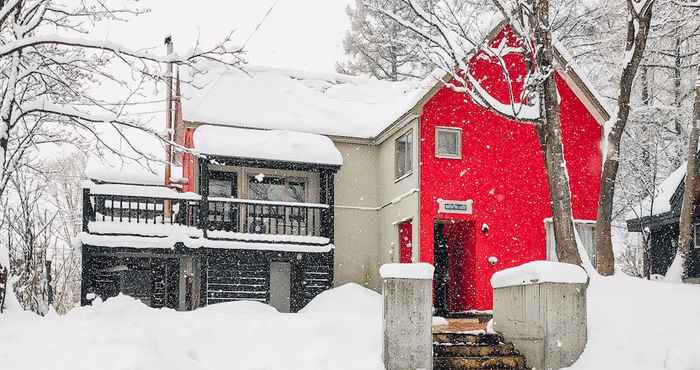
(298, 34)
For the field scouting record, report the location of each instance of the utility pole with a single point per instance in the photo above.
(167, 205)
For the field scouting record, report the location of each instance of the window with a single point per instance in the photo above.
(448, 142)
(586, 232)
(403, 155)
(275, 188)
(223, 184)
(697, 237)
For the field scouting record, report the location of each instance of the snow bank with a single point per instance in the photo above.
(123, 334)
(350, 299)
(538, 272)
(422, 271)
(276, 145)
(635, 324)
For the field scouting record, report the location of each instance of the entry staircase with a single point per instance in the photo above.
(473, 350)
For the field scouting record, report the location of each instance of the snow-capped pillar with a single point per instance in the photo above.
(541, 307)
(407, 291)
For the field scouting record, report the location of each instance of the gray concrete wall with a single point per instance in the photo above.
(408, 343)
(546, 322)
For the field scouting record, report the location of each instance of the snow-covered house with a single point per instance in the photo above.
(659, 217)
(312, 180)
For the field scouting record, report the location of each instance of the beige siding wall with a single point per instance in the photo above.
(356, 216)
(369, 204)
(398, 199)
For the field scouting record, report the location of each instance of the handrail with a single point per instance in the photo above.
(267, 202)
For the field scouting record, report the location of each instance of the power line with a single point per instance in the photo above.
(257, 27)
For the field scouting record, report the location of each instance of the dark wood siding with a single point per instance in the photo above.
(230, 279)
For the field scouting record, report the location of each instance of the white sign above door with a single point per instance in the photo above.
(455, 206)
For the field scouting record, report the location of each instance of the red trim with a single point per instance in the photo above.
(188, 161)
(406, 242)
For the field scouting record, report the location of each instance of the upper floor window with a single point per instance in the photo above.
(403, 155)
(448, 142)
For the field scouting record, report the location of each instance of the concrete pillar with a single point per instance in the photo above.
(407, 290)
(541, 308)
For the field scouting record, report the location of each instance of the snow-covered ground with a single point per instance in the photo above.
(633, 325)
(636, 324)
(339, 330)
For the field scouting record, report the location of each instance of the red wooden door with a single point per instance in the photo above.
(405, 242)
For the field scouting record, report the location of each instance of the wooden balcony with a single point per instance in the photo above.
(127, 212)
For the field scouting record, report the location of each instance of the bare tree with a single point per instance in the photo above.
(685, 228)
(49, 66)
(377, 46)
(638, 25)
(29, 235)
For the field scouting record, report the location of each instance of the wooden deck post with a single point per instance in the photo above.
(407, 291)
(87, 209)
(204, 193)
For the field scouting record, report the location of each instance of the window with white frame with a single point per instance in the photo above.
(586, 232)
(448, 142)
(403, 155)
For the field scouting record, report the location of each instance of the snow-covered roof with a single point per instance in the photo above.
(277, 145)
(321, 103)
(125, 171)
(662, 201)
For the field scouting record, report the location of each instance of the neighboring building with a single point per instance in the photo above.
(411, 172)
(660, 221)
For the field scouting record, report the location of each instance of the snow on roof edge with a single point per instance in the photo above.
(277, 145)
(662, 200)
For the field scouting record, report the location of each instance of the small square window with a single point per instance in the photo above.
(403, 155)
(448, 143)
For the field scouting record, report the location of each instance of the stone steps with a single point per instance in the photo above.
(463, 351)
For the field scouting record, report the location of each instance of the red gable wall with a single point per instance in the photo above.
(502, 170)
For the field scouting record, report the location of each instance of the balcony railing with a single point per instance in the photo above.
(265, 217)
(220, 214)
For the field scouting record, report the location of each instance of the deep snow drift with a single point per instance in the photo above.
(633, 325)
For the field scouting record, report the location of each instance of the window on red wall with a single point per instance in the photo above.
(405, 242)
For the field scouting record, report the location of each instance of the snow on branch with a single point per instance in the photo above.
(214, 53)
(456, 33)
